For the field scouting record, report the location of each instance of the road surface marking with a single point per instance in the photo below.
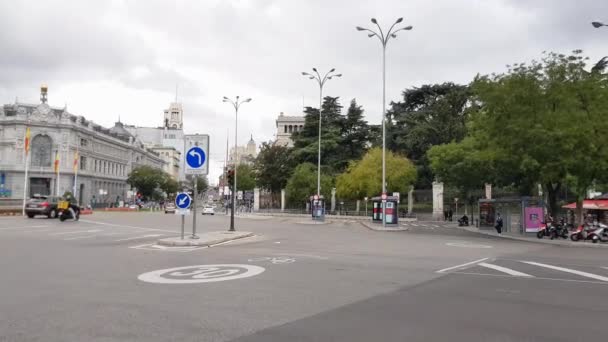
(466, 244)
(22, 227)
(155, 247)
(568, 270)
(139, 237)
(505, 270)
(81, 237)
(123, 226)
(201, 274)
(462, 265)
(77, 232)
(533, 278)
(274, 260)
(34, 231)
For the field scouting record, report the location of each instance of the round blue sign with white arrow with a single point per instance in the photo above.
(183, 200)
(195, 157)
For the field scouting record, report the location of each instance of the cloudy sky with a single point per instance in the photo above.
(106, 59)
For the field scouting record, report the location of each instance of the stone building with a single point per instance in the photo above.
(246, 154)
(171, 134)
(286, 125)
(106, 155)
(171, 157)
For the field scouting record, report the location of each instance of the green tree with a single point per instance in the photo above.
(547, 121)
(245, 180)
(272, 167)
(355, 136)
(303, 183)
(364, 177)
(147, 180)
(430, 115)
(306, 142)
(170, 186)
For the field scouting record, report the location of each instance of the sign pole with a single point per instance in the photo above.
(183, 221)
(194, 208)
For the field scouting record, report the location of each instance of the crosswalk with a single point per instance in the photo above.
(530, 269)
(84, 230)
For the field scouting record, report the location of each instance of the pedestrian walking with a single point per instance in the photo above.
(445, 215)
(450, 214)
(498, 223)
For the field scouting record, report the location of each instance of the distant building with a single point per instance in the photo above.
(171, 134)
(286, 125)
(246, 154)
(171, 157)
(105, 156)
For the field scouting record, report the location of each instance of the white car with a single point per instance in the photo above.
(208, 210)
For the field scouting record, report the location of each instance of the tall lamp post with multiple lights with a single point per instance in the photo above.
(236, 104)
(315, 75)
(384, 38)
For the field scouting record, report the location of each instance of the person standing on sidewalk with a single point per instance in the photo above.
(498, 223)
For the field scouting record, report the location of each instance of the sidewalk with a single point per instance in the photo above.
(534, 239)
(205, 239)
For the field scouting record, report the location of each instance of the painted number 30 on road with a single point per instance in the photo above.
(200, 274)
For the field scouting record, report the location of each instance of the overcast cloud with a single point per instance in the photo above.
(106, 59)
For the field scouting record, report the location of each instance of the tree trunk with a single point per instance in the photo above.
(552, 192)
(579, 209)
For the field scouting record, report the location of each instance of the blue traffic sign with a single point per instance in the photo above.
(183, 200)
(195, 157)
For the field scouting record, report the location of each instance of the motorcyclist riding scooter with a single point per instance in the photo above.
(68, 210)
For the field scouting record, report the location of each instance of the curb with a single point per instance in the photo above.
(187, 242)
(563, 243)
(381, 229)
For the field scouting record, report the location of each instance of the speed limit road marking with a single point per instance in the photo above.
(201, 274)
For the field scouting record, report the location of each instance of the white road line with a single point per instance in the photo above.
(139, 237)
(81, 237)
(78, 232)
(568, 270)
(436, 226)
(34, 231)
(534, 278)
(123, 226)
(22, 227)
(505, 270)
(462, 265)
(413, 225)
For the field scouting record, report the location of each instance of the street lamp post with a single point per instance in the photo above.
(321, 81)
(391, 33)
(236, 104)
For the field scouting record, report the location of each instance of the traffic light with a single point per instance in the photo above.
(231, 177)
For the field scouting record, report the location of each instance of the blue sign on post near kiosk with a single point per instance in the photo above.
(183, 200)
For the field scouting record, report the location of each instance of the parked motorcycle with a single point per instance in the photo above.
(552, 230)
(581, 233)
(68, 211)
(599, 234)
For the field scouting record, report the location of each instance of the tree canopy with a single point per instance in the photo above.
(147, 180)
(303, 183)
(364, 177)
(273, 166)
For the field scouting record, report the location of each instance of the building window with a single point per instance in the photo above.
(285, 127)
(83, 162)
(84, 142)
(41, 151)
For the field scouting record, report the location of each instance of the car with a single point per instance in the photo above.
(169, 208)
(208, 210)
(42, 205)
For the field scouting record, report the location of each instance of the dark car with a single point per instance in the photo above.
(42, 205)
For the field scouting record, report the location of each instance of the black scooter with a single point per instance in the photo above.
(463, 221)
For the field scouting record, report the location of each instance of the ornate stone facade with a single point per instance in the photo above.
(106, 156)
(286, 125)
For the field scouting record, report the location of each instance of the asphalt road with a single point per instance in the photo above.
(94, 280)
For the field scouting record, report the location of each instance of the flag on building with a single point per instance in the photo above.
(27, 140)
(76, 162)
(57, 161)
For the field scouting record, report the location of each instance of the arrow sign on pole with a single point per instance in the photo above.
(183, 200)
(196, 158)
